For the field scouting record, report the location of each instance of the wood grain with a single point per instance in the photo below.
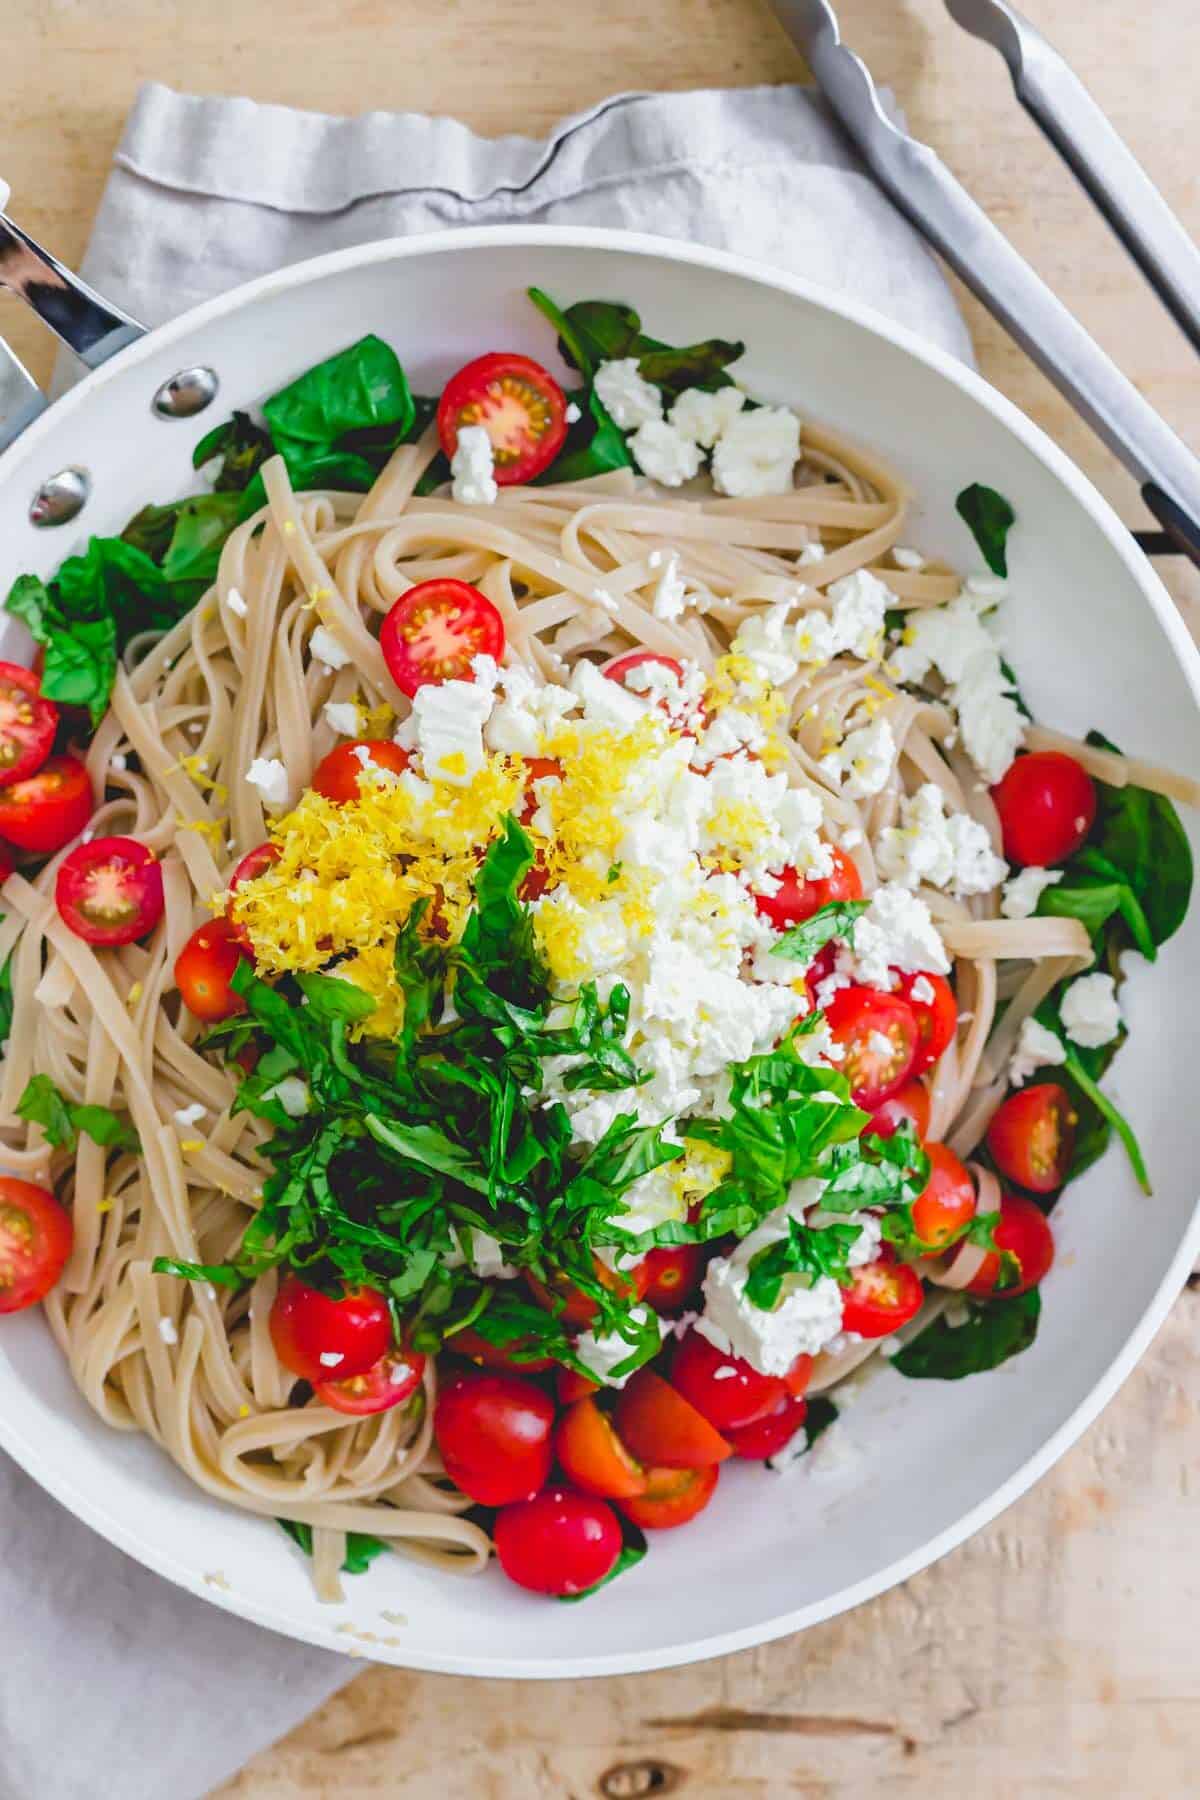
(1054, 1655)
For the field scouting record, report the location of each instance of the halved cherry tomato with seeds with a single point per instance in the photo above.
(36, 1235)
(797, 899)
(577, 1308)
(338, 775)
(494, 1433)
(518, 403)
(879, 1036)
(674, 1273)
(204, 970)
(936, 1016)
(909, 1105)
(434, 632)
(883, 1296)
(1024, 1232)
(1032, 1136)
(1046, 803)
(560, 1542)
(660, 1426)
(767, 1436)
(590, 1454)
(723, 1387)
(672, 1497)
(326, 1337)
(110, 891)
(947, 1202)
(395, 1377)
(45, 811)
(28, 723)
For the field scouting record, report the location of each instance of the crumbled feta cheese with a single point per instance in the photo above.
(811, 553)
(235, 601)
(118, 761)
(332, 1359)
(859, 604)
(601, 1355)
(1035, 1048)
(705, 417)
(292, 1094)
(800, 1324)
(190, 1115)
(1089, 1011)
(626, 396)
(670, 593)
(922, 991)
(955, 639)
(268, 775)
(167, 1331)
(1022, 893)
(954, 853)
(904, 558)
(896, 931)
(527, 713)
(664, 454)
(473, 467)
(450, 716)
(768, 640)
(990, 721)
(833, 1453)
(605, 702)
(572, 414)
(341, 716)
(328, 649)
(757, 453)
(487, 1257)
(986, 587)
(863, 760)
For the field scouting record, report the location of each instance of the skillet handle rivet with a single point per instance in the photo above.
(60, 498)
(186, 393)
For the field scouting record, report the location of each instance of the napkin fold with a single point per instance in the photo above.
(111, 1676)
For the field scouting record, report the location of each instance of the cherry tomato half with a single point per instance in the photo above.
(577, 1308)
(494, 1433)
(323, 1337)
(477, 1349)
(883, 1296)
(337, 775)
(204, 970)
(590, 1454)
(1024, 1232)
(937, 1018)
(27, 724)
(35, 1241)
(909, 1105)
(796, 900)
(767, 1436)
(434, 631)
(673, 1276)
(661, 1427)
(1032, 1137)
(395, 1377)
(571, 1386)
(562, 1542)
(724, 1388)
(618, 667)
(879, 1036)
(45, 811)
(1047, 803)
(518, 403)
(110, 891)
(672, 1497)
(948, 1200)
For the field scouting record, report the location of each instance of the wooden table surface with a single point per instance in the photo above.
(1055, 1653)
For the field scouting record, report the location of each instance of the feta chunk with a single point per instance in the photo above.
(664, 454)
(705, 417)
(801, 1323)
(292, 1094)
(487, 1257)
(1022, 893)
(896, 931)
(670, 593)
(341, 716)
(1035, 1049)
(607, 1352)
(955, 640)
(527, 712)
(626, 396)
(863, 760)
(190, 1115)
(954, 853)
(328, 649)
(1089, 1012)
(236, 603)
(449, 717)
(268, 775)
(605, 702)
(473, 467)
(769, 640)
(757, 453)
(859, 604)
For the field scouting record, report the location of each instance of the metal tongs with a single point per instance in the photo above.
(920, 184)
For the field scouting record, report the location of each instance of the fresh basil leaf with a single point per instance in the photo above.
(220, 1274)
(994, 1331)
(332, 999)
(6, 999)
(361, 1547)
(429, 1148)
(62, 1120)
(810, 1251)
(802, 942)
(699, 365)
(1075, 1068)
(989, 518)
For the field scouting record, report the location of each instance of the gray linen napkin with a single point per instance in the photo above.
(113, 1676)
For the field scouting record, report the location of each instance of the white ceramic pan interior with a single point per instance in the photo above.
(1095, 641)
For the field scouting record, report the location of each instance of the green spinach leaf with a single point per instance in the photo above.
(989, 517)
(994, 1331)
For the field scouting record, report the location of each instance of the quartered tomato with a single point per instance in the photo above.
(1032, 1137)
(434, 632)
(562, 1542)
(494, 1433)
(724, 1388)
(27, 724)
(1023, 1231)
(936, 1011)
(337, 775)
(909, 1105)
(797, 899)
(204, 970)
(767, 1436)
(674, 1273)
(590, 1454)
(948, 1200)
(883, 1296)
(1046, 803)
(571, 1386)
(385, 1384)
(577, 1309)
(476, 1349)
(326, 1337)
(35, 1241)
(672, 1497)
(661, 1427)
(620, 666)
(520, 406)
(879, 1036)
(45, 811)
(110, 891)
